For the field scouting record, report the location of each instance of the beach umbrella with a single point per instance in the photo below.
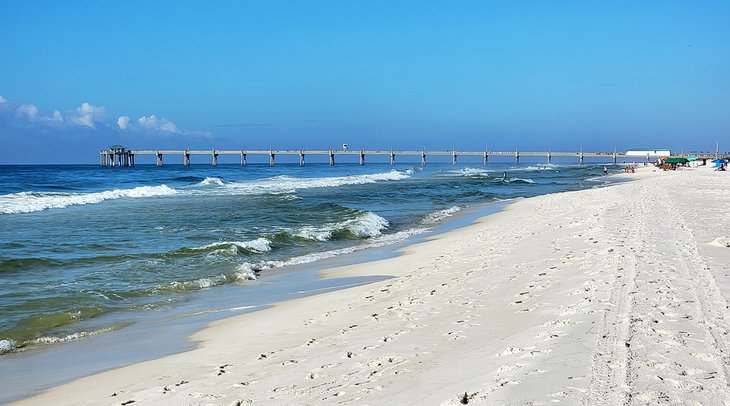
(691, 158)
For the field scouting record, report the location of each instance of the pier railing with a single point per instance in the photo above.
(125, 158)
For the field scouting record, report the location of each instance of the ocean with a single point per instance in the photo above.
(82, 247)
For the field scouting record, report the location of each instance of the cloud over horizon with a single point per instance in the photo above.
(24, 126)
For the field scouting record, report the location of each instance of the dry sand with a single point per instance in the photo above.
(615, 296)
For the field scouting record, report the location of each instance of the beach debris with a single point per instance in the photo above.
(464, 399)
(261, 356)
(130, 401)
(181, 383)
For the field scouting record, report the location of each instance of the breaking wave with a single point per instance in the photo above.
(469, 173)
(258, 245)
(289, 184)
(364, 225)
(249, 270)
(211, 181)
(28, 202)
(438, 216)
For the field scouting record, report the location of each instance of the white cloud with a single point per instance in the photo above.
(123, 122)
(28, 111)
(156, 123)
(87, 115)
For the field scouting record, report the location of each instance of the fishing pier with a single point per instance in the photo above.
(122, 157)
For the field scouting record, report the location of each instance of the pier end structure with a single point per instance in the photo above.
(116, 156)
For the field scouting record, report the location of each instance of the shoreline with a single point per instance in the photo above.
(506, 316)
(76, 359)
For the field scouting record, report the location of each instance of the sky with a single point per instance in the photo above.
(78, 76)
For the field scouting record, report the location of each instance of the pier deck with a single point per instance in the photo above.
(124, 157)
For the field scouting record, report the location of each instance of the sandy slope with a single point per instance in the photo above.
(607, 296)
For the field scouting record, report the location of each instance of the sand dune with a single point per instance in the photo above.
(614, 296)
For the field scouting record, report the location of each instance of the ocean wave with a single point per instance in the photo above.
(28, 202)
(197, 284)
(258, 245)
(438, 216)
(519, 180)
(289, 184)
(533, 168)
(249, 270)
(211, 182)
(469, 173)
(9, 345)
(513, 180)
(22, 264)
(70, 337)
(364, 225)
(254, 268)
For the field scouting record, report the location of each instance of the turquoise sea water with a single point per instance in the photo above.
(81, 244)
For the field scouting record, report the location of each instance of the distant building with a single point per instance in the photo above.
(652, 153)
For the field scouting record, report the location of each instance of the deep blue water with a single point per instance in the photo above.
(81, 243)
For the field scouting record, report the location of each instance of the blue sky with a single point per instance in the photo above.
(78, 76)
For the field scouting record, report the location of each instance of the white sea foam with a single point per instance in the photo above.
(7, 346)
(315, 233)
(523, 180)
(545, 167)
(438, 216)
(201, 283)
(245, 272)
(470, 172)
(211, 181)
(258, 245)
(289, 184)
(380, 241)
(28, 202)
(70, 337)
(364, 225)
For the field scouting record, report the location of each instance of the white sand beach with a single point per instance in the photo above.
(616, 295)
